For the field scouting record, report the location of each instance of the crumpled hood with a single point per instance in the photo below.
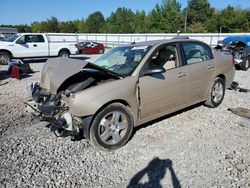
(56, 70)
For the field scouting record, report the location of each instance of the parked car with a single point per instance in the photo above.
(239, 46)
(129, 86)
(89, 47)
(36, 45)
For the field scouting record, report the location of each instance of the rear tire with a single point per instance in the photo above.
(112, 127)
(64, 53)
(101, 51)
(216, 93)
(245, 64)
(4, 58)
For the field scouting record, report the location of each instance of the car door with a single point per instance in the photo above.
(31, 46)
(22, 49)
(163, 93)
(200, 69)
(94, 48)
(40, 45)
(88, 48)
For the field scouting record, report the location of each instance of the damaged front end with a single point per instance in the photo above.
(47, 103)
(48, 107)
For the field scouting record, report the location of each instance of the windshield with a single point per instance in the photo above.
(12, 38)
(122, 60)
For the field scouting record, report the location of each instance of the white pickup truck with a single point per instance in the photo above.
(37, 45)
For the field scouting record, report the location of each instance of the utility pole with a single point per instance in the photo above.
(185, 22)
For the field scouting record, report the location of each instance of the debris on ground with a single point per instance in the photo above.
(243, 112)
(235, 86)
(245, 123)
(18, 69)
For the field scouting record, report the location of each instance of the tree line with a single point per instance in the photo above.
(167, 17)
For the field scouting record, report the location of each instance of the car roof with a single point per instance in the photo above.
(158, 42)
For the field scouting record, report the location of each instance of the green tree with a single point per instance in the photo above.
(23, 28)
(196, 28)
(120, 22)
(36, 27)
(52, 25)
(165, 17)
(80, 26)
(171, 16)
(95, 22)
(197, 13)
(153, 21)
(233, 20)
(67, 27)
(39, 27)
(213, 25)
(138, 22)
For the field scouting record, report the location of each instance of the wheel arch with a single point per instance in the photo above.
(90, 121)
(222, 76)
(122, 101)
(7, 51)
(63, 49)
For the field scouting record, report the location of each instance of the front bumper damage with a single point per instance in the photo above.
(47, 107)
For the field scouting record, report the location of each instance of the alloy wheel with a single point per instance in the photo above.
(217, 93)
(4, 59)
(113, 127)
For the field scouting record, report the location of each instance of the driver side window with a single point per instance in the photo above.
(165, 57)
(29, 38)
(21, 40)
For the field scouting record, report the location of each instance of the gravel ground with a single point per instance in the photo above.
(198, 147)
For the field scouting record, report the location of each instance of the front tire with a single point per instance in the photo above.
(112, 127)
(216, 93)
(4, 58)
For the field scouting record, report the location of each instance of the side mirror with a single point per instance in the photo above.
(20, 42)
(154, 71)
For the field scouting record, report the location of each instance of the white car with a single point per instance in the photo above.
(37, 45)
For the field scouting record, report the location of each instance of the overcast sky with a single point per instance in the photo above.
(27, 11)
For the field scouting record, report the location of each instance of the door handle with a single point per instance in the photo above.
(210, 67)
(35, 45)
(181, 74)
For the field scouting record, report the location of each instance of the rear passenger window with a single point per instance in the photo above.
(40, 38)
(34, 38)
(196, 52)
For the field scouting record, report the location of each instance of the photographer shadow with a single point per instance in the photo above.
(156, 171)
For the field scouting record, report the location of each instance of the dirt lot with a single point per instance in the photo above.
(197, 147)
